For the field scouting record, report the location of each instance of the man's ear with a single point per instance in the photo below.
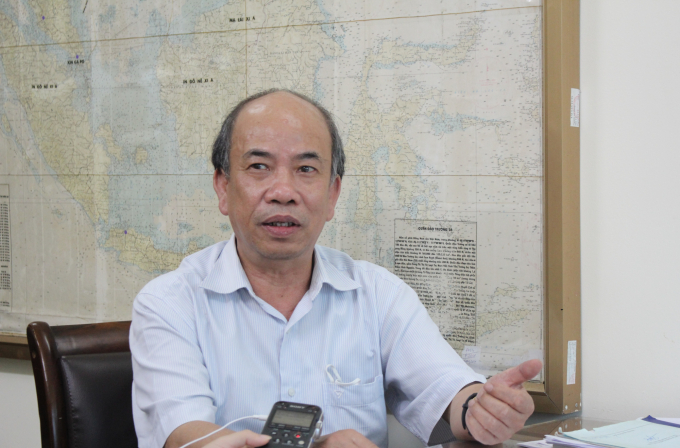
(220, 182)
(334, 194)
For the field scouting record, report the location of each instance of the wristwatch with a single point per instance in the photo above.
(465, 409)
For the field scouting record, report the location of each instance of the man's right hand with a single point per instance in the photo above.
(189, 431)
(347, 438)
(239, 439)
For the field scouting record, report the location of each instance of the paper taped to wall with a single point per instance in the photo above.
(571, 362)
(575, 115)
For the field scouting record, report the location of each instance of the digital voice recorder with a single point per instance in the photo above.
(293, 424)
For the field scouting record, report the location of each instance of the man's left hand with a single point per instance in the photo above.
(502, 405)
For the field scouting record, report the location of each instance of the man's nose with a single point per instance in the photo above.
(282, 189)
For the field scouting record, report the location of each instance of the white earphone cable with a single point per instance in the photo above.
(259, 417)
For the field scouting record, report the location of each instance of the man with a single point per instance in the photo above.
(269, 316)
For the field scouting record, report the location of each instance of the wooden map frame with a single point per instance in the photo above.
(562, 270)
(562, 236)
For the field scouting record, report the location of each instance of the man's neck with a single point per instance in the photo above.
(280, 283)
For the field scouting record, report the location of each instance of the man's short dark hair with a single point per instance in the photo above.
(222, 146)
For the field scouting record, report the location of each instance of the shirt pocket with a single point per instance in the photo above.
(358, 395)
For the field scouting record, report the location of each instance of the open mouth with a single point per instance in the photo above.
(280, 224)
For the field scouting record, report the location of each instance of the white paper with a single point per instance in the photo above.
(5, 252)
(670, 420)
(568, 442)
(471, 354)
(438, 259)
(632, 434)
(535, 444)
(571, 362)
(575, 115)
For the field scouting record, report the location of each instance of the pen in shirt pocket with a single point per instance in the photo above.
(335, 378)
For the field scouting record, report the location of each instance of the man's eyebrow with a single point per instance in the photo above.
(257, 153)
(308, 155)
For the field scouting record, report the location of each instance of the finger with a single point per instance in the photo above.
(503, 412)
(478, 431)
(489, 422)
(486, 416)
(254, 439)
(517, 399)
(515, 376)
(239, 439)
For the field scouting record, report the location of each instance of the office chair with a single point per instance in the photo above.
(83, 379)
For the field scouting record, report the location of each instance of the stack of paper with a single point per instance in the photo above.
(643, 433)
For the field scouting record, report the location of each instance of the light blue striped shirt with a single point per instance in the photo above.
(205, 347)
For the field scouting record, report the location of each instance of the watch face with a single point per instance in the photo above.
(292, 418)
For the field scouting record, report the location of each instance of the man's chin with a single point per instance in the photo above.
(281, 252)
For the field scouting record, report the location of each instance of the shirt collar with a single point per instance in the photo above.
(227, 275)
(326, 272)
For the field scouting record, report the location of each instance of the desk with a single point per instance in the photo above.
(539, 430)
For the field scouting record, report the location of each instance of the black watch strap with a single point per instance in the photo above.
(465, 409)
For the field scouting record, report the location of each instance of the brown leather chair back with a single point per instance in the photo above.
(83, 379)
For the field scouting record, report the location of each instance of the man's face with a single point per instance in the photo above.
(278, 195)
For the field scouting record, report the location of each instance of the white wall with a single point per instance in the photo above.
(630, 218)
(630, 207)
(19, 422)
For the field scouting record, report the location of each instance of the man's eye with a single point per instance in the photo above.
(307, 169)
(258, 166)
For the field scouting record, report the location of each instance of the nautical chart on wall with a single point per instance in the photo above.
(109, 109)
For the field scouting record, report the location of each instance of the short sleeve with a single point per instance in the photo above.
(422, 371)
(171, 383)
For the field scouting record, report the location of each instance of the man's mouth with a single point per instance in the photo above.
(280, 224)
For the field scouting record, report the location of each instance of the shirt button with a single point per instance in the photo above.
(291, 392)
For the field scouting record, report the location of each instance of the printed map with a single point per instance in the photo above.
(108, 111)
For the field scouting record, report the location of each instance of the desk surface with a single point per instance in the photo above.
(539, 430)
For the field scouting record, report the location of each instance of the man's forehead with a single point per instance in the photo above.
(283, 107)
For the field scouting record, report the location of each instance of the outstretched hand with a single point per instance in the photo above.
(502, 405)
